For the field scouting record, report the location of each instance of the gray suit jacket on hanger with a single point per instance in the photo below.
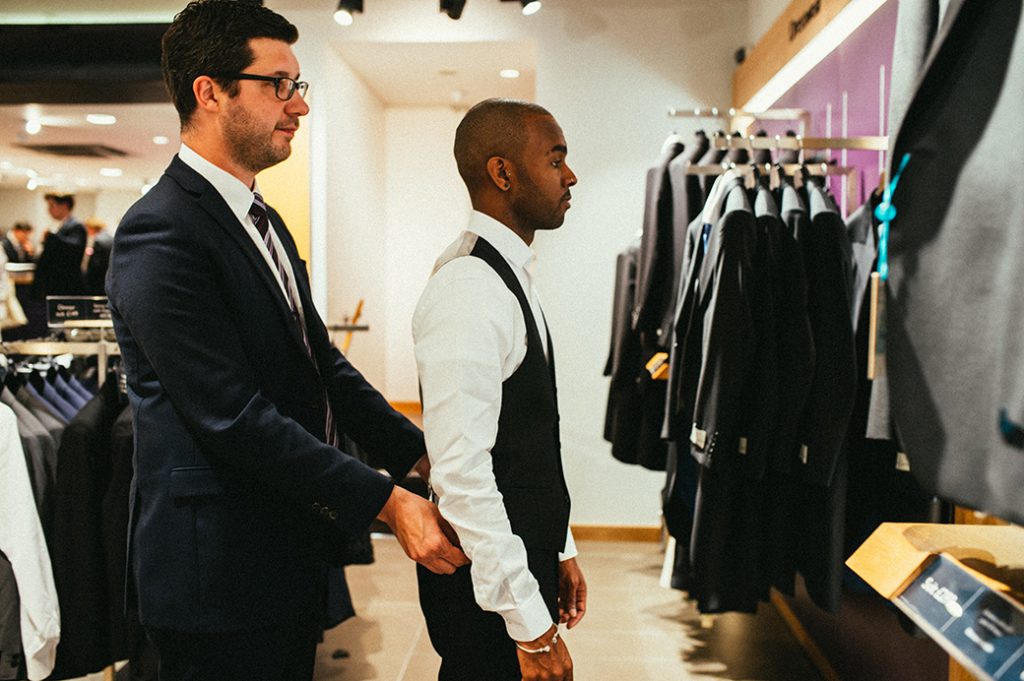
(955, 338)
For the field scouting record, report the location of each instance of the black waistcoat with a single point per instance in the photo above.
(526, 455)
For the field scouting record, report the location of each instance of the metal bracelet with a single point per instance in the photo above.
(545, 649)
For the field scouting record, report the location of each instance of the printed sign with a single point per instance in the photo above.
(979, 626)
(82, 312)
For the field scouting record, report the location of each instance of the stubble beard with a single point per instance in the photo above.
(529, 208)
(250, 147)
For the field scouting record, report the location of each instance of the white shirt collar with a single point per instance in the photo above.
(505, 241)
(232, 190)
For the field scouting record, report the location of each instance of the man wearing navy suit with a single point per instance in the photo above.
(240, 494)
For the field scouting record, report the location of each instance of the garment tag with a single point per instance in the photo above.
(902, 462)
(657, 366)
(876, 329)
(698, 437)
(743, 445)
(803, 453)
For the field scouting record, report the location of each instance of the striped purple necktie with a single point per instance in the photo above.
(258, 213)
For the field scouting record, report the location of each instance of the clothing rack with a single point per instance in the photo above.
(849, 174)
(102, 349)
(801, 116)
(867, 142)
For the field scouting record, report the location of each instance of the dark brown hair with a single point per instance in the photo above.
(212, 36)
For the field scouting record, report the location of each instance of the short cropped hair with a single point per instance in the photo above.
(212, 36)
(63, 199)
(494, 127)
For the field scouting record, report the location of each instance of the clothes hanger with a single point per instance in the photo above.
(777, 174)
(753, 176)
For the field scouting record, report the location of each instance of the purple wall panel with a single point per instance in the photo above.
(853, 69)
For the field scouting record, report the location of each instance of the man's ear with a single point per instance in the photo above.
(207, 93)
(500, 172)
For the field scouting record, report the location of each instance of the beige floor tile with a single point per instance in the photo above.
(634, 629)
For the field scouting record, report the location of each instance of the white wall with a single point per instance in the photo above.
(761, 15)
(607, 71)
(22, 205)
(427, 207)
(348, 182)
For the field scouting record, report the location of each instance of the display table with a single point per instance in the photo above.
(963, 585)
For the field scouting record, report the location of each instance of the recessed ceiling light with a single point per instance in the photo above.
(531, 7)
(110, 172)
(101, 119)
(33, 126)
(161, 140)
(509, 73)
(31, 184)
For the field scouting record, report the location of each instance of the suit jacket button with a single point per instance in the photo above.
(333, 515)
(325, 511)
(316, 506)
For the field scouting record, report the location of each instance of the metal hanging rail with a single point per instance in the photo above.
(868, 142)
(801, 116)
(43, 348)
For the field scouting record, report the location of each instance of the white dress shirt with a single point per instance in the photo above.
(470, 336)
(22, 541)
(239, 199)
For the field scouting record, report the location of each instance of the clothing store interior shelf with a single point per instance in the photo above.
(960, 584)
(48, 348)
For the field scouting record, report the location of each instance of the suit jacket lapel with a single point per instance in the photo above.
(939, 43)
(212, 202)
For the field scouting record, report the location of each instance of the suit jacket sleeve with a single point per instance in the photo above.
(167, 293)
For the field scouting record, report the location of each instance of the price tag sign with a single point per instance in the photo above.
(976, 624)
(78, 312)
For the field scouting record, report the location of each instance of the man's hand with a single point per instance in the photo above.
(551, 665)
(572, 593)
(425, 536)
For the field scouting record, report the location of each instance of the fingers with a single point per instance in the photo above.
(420, 530)
(579, 608)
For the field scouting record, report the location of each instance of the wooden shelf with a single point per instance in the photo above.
(961, 584)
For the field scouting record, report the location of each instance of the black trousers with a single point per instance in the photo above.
(273, 654)
(474, 644)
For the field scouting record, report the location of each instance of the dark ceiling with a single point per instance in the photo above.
(89, 63)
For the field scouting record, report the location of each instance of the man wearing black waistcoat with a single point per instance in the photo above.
(490, 411)
(240, 495)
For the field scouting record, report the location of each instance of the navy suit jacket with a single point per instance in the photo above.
(236, 498)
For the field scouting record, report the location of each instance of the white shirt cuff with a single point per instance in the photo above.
(570, 547)
(529, 621)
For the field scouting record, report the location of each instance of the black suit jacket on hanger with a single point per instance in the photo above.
(655, 260)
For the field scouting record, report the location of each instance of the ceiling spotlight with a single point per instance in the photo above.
(453, 8)
(509, 73)
(33, 126)
(161, 140)
(529, 6)
(101, 119)
(347, 8)
(111, 172)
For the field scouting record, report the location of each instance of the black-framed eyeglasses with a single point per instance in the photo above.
(284, 87)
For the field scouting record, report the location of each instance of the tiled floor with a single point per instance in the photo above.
(634, 630)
